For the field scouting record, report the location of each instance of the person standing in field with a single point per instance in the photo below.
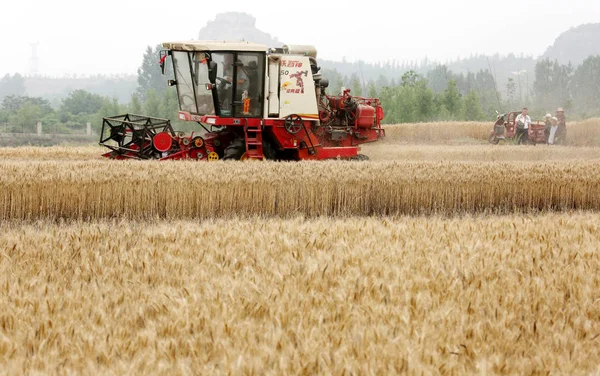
(553, 129)
(523, 121)
(548, 126)
(561, 133)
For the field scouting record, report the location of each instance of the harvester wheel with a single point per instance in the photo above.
(268, 150)
(212, 156)
(198, 142)
(162, 141)
(493, 139)
(360, 157)
(235, 150)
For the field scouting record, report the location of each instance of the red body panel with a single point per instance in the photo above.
(365, 116)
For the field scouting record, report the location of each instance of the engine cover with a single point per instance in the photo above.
(365, 116)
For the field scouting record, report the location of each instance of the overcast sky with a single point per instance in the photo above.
(110, 36)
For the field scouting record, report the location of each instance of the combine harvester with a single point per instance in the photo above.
(252, 103)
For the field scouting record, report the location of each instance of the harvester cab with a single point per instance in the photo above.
(252, 103)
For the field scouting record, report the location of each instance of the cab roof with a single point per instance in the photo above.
(214, 45)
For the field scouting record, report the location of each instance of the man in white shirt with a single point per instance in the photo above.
(523, 121)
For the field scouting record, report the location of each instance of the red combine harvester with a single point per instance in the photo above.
(252, 103)
(505, 128)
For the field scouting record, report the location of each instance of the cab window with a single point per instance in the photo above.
(240, 83)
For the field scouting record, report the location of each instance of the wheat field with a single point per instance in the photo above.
(581, 133)
(440, 255)
(388, 150)
(180, 190)
(364, 295)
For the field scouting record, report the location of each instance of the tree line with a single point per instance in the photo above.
(441, 94)
(436, 95)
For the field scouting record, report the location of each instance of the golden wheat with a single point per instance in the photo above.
(583, 133)
(146, 189)
(485, 153)
(375, 151)
(52, 153)
(492, 295)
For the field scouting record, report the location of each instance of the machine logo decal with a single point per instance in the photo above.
(299, 82)
(291, 63)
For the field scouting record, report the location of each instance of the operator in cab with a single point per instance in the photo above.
(242, 78)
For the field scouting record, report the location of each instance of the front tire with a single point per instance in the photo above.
(360, 157)
(492, 139)
(235, 150)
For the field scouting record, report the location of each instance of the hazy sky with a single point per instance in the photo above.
(110, 36)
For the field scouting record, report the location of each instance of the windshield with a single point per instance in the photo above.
(191, 75)
(240, 83)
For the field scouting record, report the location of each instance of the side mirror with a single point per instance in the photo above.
(163, 57)
(212, 72)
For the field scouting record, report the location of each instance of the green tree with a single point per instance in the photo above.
(438, 78)
(381, 82)
(452, 98)
(12, 85)
(135, 106)
(336, 81)
(552, 83)
(410, 78)
(152, 105)
(425, 101)
(169, 105)
(372, 90)
(472, 107)
(13, 103)
(27, 116)
(150, 75)
(356, 85)
(586, 87)
(82, 102)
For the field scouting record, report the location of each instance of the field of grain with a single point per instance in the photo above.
(99, 189)
(378, 151)
(440, 255)
(582, 133)
(471, 295)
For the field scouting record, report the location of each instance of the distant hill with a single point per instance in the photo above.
(575, 44)
(236, 26)
(242, 26)
(55, 89)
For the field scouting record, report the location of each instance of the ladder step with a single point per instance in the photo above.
(253, 141)
(254, 154)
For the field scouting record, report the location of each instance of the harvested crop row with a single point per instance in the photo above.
(375, 151)
(140, 190)
(489, 153)
(492, 295)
